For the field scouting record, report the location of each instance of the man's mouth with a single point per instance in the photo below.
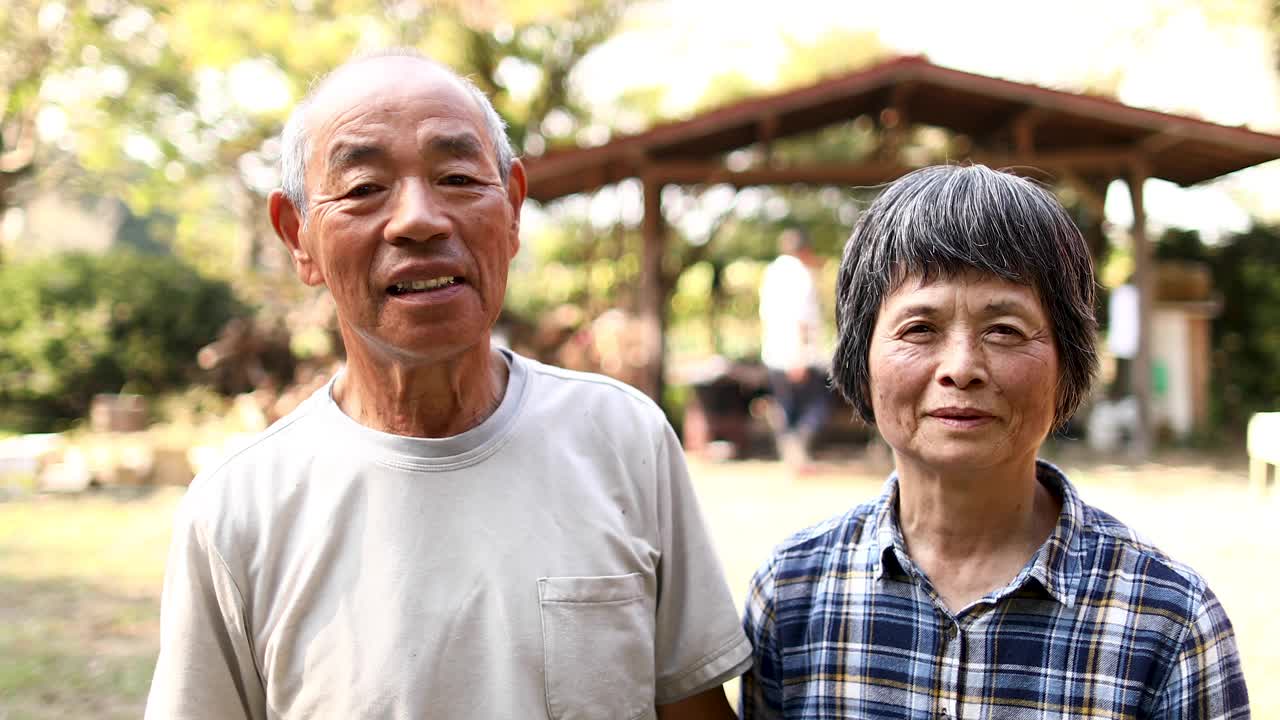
(418, 286)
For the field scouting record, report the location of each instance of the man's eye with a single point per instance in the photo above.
(363, 190)
(458, 179)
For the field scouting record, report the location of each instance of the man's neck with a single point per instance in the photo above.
(422, 400)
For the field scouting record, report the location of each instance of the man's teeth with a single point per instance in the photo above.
(420, 285)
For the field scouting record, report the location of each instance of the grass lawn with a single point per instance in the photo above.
(79, 602)
(80, 576)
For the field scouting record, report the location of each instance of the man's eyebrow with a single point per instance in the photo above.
(462, 145)
(345, 154)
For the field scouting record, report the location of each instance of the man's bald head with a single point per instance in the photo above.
(296, 138)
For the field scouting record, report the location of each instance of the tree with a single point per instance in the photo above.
(26, 48)
(176, 106)
(80, 324)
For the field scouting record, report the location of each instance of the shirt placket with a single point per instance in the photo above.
(952, 680)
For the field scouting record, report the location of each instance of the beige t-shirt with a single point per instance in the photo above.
(550, 562)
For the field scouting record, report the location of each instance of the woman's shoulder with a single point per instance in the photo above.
(839, 538)
(1128, 557)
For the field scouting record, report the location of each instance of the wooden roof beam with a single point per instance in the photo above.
(699, 173)
(1115, 159)
(1157, 143)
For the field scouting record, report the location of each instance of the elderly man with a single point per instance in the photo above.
(446, 530)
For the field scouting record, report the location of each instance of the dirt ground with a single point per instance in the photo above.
(80, 576)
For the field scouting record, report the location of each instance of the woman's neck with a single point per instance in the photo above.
(971, 533)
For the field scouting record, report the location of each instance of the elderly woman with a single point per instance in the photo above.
(979, 584)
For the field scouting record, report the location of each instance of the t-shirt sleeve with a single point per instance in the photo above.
(699, 642)
(761, 696)
(1206, 681)
(205, 668)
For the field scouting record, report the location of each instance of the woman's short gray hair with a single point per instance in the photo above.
(947, 220)
(295, 140)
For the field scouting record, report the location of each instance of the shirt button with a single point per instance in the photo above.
(952, 632)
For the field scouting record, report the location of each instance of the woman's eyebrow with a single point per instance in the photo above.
(1006, 307)
(917, 309)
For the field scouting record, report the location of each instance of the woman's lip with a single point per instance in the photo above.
(959, 413)
(963, 422)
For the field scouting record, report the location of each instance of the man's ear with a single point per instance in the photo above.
(517, 190)
(287, 222)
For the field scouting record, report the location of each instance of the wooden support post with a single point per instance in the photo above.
(1144, 281)
(1023, 130)
(653, 294)
(766, 131)
(1094, 201)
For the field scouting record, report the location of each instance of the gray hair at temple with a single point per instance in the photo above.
(944, 221)
(295, 140)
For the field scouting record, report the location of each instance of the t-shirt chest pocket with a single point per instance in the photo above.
(598, 651)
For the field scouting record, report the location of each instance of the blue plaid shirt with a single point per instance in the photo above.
(1099, 624)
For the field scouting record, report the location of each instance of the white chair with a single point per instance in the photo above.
(1264, 449)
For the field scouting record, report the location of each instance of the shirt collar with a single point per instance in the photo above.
(890, 551)
(1056, 565)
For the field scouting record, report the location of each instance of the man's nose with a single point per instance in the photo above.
(417, 213)
(963, 363)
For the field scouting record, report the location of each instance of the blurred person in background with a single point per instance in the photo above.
(979, 584)
(791, 348)
(445, 529)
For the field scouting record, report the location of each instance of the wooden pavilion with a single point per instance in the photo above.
(1083, 141)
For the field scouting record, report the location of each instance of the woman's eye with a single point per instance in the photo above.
(917, 330)
(1006, 331)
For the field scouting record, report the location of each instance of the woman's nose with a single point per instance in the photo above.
(962, 363)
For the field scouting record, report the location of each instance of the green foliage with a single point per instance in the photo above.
(1246, 335)
(525, 61)
(174, 107)
(79, 324)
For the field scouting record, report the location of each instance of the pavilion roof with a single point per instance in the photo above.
(1063, 125)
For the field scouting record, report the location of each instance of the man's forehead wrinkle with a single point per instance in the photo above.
(359, 81)
(458, 133)
(461, 144)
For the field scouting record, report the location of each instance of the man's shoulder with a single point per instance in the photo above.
(566, 389)
(258, 452)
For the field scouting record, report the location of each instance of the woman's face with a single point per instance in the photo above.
(964, 374)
